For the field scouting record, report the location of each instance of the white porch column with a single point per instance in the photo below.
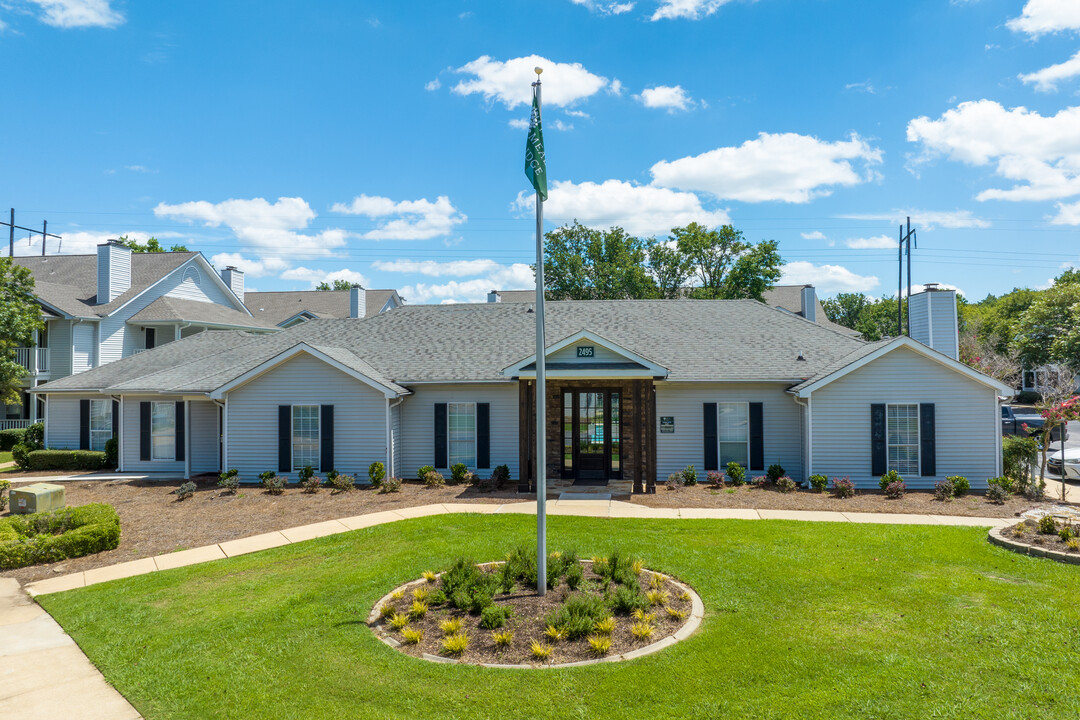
(34, 357)
(33, 401)
(120, 437)
(187, 439)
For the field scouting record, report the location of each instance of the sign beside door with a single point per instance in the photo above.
(667, 424)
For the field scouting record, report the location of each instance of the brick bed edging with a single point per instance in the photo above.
(697, 614)
(997, 537)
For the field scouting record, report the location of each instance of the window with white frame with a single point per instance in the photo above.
(733, 433)
(902, 432)
(461, 433)
(101, 421)
(163, 430)
(305, 436)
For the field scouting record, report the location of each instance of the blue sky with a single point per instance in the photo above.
(382, 142)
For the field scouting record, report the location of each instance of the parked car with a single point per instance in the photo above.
(1013, 424)
(1069, 458)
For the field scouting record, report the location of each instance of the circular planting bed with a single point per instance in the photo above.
(595, 610)
(1047, 536)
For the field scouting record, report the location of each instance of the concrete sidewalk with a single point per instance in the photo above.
(43, 673)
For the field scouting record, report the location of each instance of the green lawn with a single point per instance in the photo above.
(5, 457)
(807, 620)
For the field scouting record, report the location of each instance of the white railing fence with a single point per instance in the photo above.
(43, 359)
(25, 356)
(14, 424)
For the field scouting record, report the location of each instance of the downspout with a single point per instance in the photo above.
(45, 435)
(178, 329)
(389, 435)
(808, 405)
(222, 466)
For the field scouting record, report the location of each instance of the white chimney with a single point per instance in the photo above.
(809, 303)
(933, 319)
(357, 302)
(494, 296)
(234, 278)
(113, 271)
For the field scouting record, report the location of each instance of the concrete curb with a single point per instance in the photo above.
(997, 537)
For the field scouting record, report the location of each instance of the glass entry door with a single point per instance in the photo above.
(592, 434)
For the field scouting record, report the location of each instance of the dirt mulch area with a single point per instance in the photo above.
(1028, 532)
(528, 624)
(153, 522)
(769, 498)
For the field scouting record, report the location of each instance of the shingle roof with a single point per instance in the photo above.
(277, 307)
(167, 309)
(842, 362)
(69, 282)
(696, 340)
(789, 297)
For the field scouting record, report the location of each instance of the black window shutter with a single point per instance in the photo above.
(284, 431)
(483, 435)
(712, 450)
(440, 436)
(878, 451)
(84, 424)
(757, 436)
(326, 438)
(115, 419)
(927, 440)
(144, 431)
(181, 432)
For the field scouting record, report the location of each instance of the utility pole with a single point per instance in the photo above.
(905, 238)
(44, 232)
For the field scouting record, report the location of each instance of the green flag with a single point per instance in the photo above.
(535, 169)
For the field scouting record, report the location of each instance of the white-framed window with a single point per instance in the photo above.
(461, 434)
(902, 435)
(163, 430)
(733, 433)
(305, 436)
(101, 421)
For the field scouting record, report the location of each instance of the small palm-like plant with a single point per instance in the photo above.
(599, 644)
(541, 651)
(455, 644)
(641, 630)
(412, 637)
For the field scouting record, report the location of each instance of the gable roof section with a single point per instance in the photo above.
(789, 297)
(872, 351)
(278, 307)
(169, 309)
(633, 364)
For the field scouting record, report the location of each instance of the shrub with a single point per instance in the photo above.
(305, 473)
(775, 472)
(1065, 533)
(736, 473)
(111, 453)
(1028, 397)
(500, 476)
(1019, 457)
(786, 484)
(889, 478)
(65, 460)
(578, 615)
(895, 490)
(275, 484)
(423, 471)
(471, 478)
(34, 437)
(20, 453)
(1034, 490)
(480, 601)
(626, 600)
(311, 484)
(540, 651)
(494, 617)
(5, 486)
(502, 638)
(11, 438)
(674, 481)
(437, 597)
(457, 473)
(390, 485)
(266, 475)
(340, 482)
(715, 479)
(434, 479)
(412, 637)
(960, 484)
(229, 481)
(689, 475)
(641, 630)
(185, 491)
(575, 575)
(455, 644)
(1047, 526)
(843, 487)
(996, 492)
(376, 472)
(599, 645)
(759, 480)
(520, 566)
(58, 535)
(944, 490)
(819, 482)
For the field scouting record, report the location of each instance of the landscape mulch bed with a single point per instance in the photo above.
(527, 624)
(867, 501)
(1028, 532)
(153, 522)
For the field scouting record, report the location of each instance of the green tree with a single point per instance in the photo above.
(20, 316)
(1050, 328)
(151, 246)
(669, 269)
(338, 285)
(754, 272)
(846, 308)
(710, 254)
(581, 263)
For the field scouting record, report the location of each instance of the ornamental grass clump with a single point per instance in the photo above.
(675, 613)
(450, 626)
(643, 616)
(398, 621)
(657, 597)
(641, 630)
(605, 626)
(599, 645)
(843, 487)
(455, 644)
(421, 593)
(502, 638)
(386, 610)
(555, 633)
(429, 576)
(541, 651)
(418, 609)
(411, 636)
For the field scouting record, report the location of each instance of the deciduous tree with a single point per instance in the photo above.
(20, 316)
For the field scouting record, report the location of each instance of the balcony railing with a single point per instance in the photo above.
(14, 424)
(27, 357)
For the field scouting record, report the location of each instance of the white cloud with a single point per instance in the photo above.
(1047, 16)
(412, 219)
(815, 235)
(784, 167)
(498, 277)
(510, 82)
(827, 278)
(139, 169)
(250, 266)
(687, 9)
(315, 277)
(433, 84)
(926, 219)
(616, 87)
(560, 125)
(1068, 214)
(577, 113)
(77, 242)
(519, 123)
(866, 86)
(639, 209)
(1047, 79)
(1042, 154)
(78, 13)
(667, 97)
(432, 268)
(879, 242)
(605, 7)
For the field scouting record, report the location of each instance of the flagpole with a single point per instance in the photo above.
(541, 393)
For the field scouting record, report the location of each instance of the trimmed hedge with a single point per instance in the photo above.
(58, 535)
(66, 460)
(10, 438)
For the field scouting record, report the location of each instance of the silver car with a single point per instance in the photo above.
(1069, 459)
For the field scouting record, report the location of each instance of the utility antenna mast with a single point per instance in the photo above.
(905, 238)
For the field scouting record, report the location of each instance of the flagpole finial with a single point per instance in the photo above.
(538, 70)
